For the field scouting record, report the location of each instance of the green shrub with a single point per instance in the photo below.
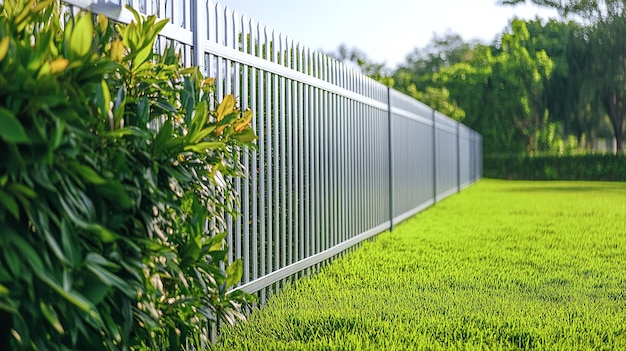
(580, 167)
(111, 231)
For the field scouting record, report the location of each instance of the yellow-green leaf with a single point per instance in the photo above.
(202, 147)
(41, 5)
(234, 272)
(105, 103)
(226, 107)
(117, 50)
(245, 136)
(243, 123)
(82, 36)
(142, 55)
(58, 65)
(103, 22)
(202, 134)
(25, 12)
(4, 47)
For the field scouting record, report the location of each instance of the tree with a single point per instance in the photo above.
(589, 10)
(438, 99)
(608, 72)
(501, 93)
(415, 77)
(422, 64)
(606, 69)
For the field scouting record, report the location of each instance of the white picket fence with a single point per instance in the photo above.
(340, 157)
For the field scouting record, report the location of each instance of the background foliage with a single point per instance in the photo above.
(542, 86)
(112, 229)
(578, 167)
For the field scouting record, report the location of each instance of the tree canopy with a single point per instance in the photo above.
(542, 86)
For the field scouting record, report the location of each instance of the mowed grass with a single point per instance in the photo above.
(502, 266)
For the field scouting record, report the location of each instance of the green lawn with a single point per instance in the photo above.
(502, 266)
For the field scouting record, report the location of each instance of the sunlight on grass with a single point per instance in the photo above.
(502, 266)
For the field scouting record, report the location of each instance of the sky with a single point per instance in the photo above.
(385, 30)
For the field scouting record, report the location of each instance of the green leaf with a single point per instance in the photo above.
(27, 253)
(82, 36)
(103, 99)
(72, 297)
(216, 242)
(54, 246)
(163, 136)
(229, 119)
(52, 317)
(11, 130)
(202, 134)
(199, 120)
(100, 260)
(21, 189)
(142, 56)
(88, 174)
(234, 272)
(94, 262)
(69, 244)
(10, 204)
(113, 327)
(202, 147)
(95, 290)
(103, 233)
(13, 261)
(115, 191)
(192, 252)
(245, 136)
(118, 109)
(165, 105)
(126, 131)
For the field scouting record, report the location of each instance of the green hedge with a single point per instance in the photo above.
(583, 167)
(104, 242)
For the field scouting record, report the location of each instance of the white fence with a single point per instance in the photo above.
(340, 157)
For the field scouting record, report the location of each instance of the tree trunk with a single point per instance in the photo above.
(616, 107)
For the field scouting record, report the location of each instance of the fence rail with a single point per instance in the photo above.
(340, 157)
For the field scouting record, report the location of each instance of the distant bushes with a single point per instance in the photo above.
(581, 167)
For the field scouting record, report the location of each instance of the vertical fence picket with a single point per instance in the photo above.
(261, 142)
(309, 203)
(227, 74)
(246, 215)
(286, 158)
(270, 130)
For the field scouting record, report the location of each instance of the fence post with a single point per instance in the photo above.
(434, 156)
(458, 156)
(391, 173)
